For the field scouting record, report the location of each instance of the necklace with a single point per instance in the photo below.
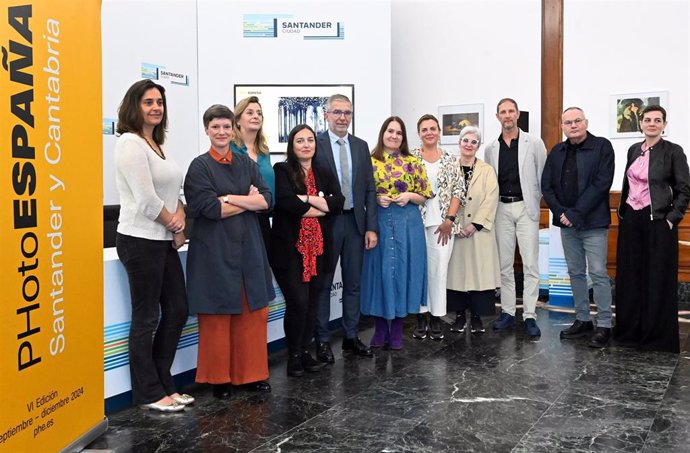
(434, 155)
(159, 151)
(467, 175)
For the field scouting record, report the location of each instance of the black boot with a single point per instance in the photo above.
(309, 364)
(601, 337)
(294, 366)
(420, 332)
(435, 328)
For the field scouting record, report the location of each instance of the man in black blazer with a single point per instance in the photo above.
(575, 183)
(354, 230)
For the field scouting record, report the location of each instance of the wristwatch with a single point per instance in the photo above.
(451, 218)
(226, 199)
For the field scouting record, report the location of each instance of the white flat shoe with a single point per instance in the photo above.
(174, 407)
(183, 399)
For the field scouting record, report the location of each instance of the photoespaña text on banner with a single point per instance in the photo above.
(51, 372)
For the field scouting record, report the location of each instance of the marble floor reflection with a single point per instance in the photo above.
(491, 392)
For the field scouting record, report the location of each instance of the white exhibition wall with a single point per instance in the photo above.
(158, 34)
(362, 58)
(404, 57)
(465, 52)
(204, 42)
(628, 46)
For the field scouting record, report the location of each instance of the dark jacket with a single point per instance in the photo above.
(288, 212)
(363, 187)
(595, 166)
(228, 254)
(669, 181)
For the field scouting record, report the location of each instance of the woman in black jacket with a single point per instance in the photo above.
(301, 241)
(656, 190)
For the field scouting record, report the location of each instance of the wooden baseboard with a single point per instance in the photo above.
(614, 200)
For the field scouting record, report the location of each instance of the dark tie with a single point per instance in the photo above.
(345, 172)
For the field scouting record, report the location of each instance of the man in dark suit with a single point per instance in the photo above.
(576, 181)
(354, 230)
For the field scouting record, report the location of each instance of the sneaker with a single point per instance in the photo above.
(577, 330)
(420, 332)
(459, 324)
(531, 328)
(505, 321)
(476, 324)
(435, 328)
(601, 338)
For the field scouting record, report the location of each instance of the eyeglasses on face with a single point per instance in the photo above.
(576, 122)
(472, 142)
(346, 113)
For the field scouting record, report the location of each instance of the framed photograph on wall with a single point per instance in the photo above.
(454, 117)
(286, 106)
(625, 111)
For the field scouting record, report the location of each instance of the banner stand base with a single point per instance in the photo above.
(89, 436)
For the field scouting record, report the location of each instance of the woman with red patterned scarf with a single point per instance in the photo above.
(300, 241)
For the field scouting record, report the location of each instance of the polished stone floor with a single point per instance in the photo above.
(491, 392)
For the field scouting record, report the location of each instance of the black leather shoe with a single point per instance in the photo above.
(258, 386)
(309, 364)
(294, 365)
(601, 338)
(577, 330)
(222, 391)
(355, 346)
(324, 353)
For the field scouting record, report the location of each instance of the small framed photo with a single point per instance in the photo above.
(454, 117)
(625, 111)
(286, 106)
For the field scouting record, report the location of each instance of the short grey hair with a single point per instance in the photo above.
(574, 108)
(470, 130)
(337, 97)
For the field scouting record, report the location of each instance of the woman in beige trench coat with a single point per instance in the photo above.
(473, 271)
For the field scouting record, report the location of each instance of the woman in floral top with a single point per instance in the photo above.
(394, 278)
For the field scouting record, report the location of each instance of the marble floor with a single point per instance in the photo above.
(491, 392)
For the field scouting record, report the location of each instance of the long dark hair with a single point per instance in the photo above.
(129, 117)
(296, 171)
(377, 152)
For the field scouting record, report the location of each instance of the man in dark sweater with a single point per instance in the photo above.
(576, 181)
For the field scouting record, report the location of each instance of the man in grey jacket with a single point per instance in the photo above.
(518, 159)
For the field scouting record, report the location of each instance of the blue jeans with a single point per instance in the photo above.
(585, 251)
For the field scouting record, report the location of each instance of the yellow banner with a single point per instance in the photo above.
(51, 373)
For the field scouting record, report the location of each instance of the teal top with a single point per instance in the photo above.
(265, 167)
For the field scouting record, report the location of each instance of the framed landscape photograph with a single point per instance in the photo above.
(454, 117)
(625, 111)
(286, 106)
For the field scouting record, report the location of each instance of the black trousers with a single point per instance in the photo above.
(482, 303)
(647, 283)
(301, 304)
(156, 285)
